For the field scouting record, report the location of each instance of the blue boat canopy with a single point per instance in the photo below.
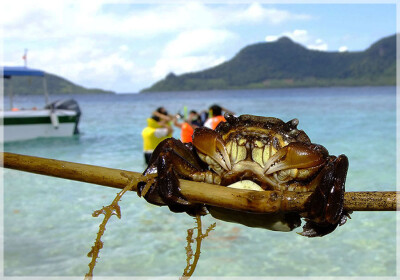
(9, 71)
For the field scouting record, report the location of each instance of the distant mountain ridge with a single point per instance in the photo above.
(284, 63)
(24, 85)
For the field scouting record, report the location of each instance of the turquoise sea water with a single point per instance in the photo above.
(48, 227)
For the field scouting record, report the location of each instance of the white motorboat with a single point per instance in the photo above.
(56, 119)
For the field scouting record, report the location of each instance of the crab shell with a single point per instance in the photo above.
(261, 153)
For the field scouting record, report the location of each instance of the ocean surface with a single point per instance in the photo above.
(49, 229)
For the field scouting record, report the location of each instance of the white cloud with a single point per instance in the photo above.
(299, 35)
(276, 16)
(318, 47)
(82, 39)
(55, 19)
(303, 37)
(50, 19)
(123, 47)
(256, 13)
(343, 49)
(192, 51)
(81, 61)
(196, 41)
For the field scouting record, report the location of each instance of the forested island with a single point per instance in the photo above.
(284, 63)
(25, 85)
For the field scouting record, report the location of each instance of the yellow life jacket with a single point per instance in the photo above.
(150, 141)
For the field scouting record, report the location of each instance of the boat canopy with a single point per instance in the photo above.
(9, 71)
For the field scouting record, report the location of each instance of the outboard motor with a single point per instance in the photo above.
(67, 104)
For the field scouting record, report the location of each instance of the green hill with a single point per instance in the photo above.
(24, 85)
(284, 63)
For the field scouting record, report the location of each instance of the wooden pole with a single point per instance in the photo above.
(242, 200)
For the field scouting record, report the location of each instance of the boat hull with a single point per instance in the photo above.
(31, 124)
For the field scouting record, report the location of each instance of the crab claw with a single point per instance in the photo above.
(209, 142)
(294, 155)
(325, 205)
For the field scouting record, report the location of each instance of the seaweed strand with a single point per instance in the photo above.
(108, 211)
(190, 267)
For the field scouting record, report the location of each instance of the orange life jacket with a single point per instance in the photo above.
(186, 133)
(216, 120)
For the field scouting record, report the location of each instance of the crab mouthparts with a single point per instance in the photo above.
(221, 156)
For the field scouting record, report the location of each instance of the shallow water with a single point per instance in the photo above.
(48, 227)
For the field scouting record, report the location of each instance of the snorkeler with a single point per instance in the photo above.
(188, 126)
(158, 129)
(216, 116)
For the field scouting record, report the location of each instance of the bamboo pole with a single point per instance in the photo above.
(243, 200)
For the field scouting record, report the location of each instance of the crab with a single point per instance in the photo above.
(257, 153)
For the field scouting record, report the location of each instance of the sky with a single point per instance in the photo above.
(125, 46)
